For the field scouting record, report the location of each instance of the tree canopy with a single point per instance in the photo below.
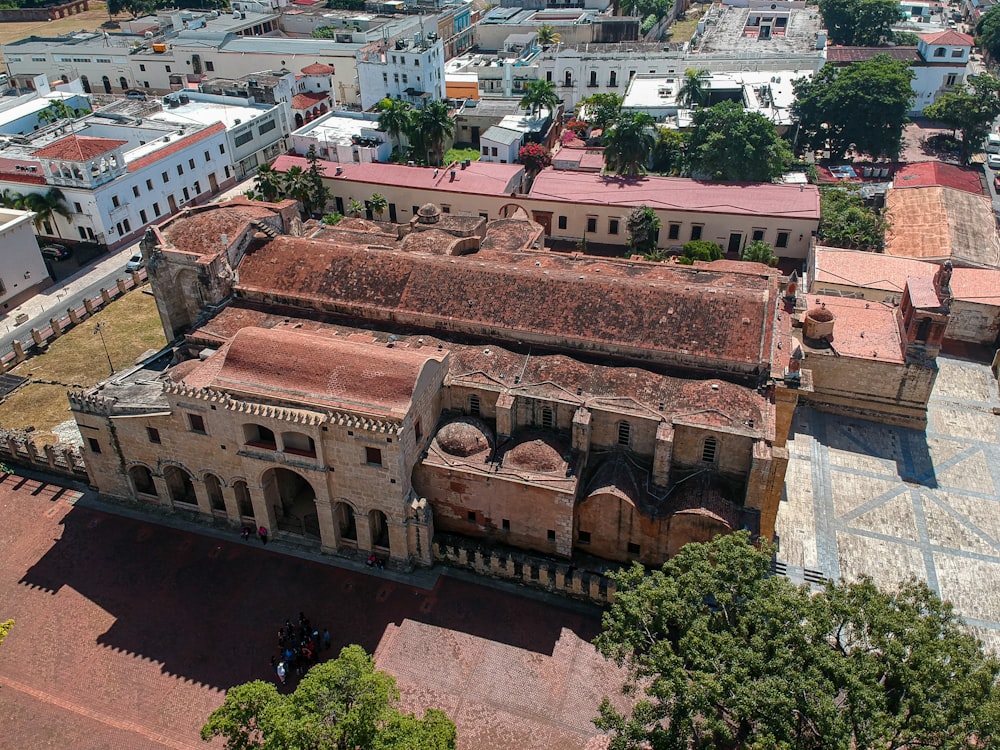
(988, 31)
(643, 230)
(539, 95)
(861, 106)
(759, 251)
(339, 705)
(725, 656)
(628, 144)
(845, 220)
(862, 23)
(692, 91)
(971, 108)
(729, 143)
(600, 110)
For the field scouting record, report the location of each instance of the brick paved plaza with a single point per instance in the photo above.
(128, 634)
(863, 498)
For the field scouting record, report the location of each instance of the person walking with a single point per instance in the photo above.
(281, 671)
(245, 534)
(262, 533)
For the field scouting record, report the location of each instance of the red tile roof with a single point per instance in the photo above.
(977, 285)
(318, 369)
(867, 330)
(201, 231)
(10, 171)
(857, 268)
(481, 178)
(925, 173)
(78, 148)
(862, 54)
(954, 38)
(175, 145)
(309, 99)
(922, 293)
(679, 194)
(677, 316)
(318, 69)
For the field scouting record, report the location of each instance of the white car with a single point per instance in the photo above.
(993, 160)
(134, 263)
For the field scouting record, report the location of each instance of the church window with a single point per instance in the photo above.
(474, 405)
(709, 450)
(624, 433)
(547, 418)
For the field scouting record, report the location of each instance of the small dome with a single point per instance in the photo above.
(318, 69)
(463, 438)
(428, 214)
(820, 315)
(535, 455)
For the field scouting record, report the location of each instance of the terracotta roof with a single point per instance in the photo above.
(201, 231)
(866, 330)
(319, 370)
(862, 54)
(922, 293)
(175, 145)
(685, 317)
(939, 223)
(865, 270)
(309, 99)
(926, 173)
(679, 194)
(481, 178)
(318, 69)
(78, 148)
(21, 170)
(977, 285)
(954, 38)
(715, 402)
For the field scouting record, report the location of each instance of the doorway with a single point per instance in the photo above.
(735, 242)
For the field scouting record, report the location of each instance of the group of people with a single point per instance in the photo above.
(298, 648)
(246, 532)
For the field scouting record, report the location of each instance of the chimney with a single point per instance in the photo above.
(453, 173)
(225, 241)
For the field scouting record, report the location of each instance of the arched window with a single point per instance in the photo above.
(474, 405)
(547, 419)
(593, 78)
(142, 480)
(710, 450)
(298, 444)
(123, 83)
(624, 433)
(214, 489)
(939, 52)
(258, 436)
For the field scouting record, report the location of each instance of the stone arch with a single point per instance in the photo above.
(85, 82)
(343, 517)
(514, 211)
(213, 488)
(141, 477)
(293, 500)
(378, 525)
(259, 436)
(298, 443)
(299, 122)
(107, 84)
(123, 83)
(180, 485)
(243, 502)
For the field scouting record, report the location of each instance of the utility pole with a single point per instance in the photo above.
(99, 330)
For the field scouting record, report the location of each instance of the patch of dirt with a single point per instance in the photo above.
(67, 432)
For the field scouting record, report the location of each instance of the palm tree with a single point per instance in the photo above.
(354, 208)
(378, 204)
(294, 184)
(11, 199)
(539, 95)
(434, 124)
(692, 91)
(268, 185)
(45, 206)
(394, 118)
(628, 144)
(547, 35)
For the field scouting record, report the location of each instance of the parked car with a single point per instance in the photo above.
(138, 95)
(135, 263)
(56, 252)
(993, 160)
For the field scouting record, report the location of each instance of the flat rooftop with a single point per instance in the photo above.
(207, 113)
(337, 129)
(726, 27)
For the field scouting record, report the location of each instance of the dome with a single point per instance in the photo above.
(318, 69)
(428, 214)
(818, 323)
(535, 455)
(820, 315)
(463, 438)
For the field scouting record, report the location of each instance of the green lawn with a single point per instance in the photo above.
(460, 154)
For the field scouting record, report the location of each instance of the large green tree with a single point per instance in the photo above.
(861, 106)
(539, 95)
(971, 109)
(845, 220)
(341, 704)
(729, 143)
(643, 230)
(394, 118)
(628, 144)
(600, 110)
(429, 128)
(863, 23)
(988, 32)
(670, 152)
(726, 656)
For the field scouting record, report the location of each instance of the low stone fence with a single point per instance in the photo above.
(18, 449)
(535, 572)
(40, 338)
(48, 13)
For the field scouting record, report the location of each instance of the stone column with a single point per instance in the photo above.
(162, 491)
(88, 305)
(57, 330)
(232, 504)
(505, 415)
(73, 317)
(329, 531)
(106, 296)
(37, 337)
(581, 430)
(18, 350)
(121, 285)
(364, 532)
(263, 513)
(201, 493)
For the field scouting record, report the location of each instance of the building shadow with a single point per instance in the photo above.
(208, 610)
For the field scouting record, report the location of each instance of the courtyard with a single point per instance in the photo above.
(866, 499)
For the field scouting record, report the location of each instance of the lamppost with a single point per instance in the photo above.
(99, 331)
(418, 505)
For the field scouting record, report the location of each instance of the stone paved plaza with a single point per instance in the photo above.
(862, 498)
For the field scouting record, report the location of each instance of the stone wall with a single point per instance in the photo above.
(48, 13)
(18, 449)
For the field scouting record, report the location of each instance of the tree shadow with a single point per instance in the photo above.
(208, 610)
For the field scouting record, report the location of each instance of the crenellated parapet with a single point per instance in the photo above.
(91, 403)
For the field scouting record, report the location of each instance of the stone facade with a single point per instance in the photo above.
(356, 387)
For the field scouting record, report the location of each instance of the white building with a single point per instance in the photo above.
(20, 114)
(407, 68)
(118, 174)
(22, 269)
(344, 137)
(500, 145)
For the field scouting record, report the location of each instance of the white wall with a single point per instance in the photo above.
(21, 264)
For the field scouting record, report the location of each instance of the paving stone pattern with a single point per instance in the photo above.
(128, 633)
(863, 498)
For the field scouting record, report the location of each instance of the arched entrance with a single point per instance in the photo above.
(85, 82)
(123, 83)
(243, 501)
(107, 84)
(214, 489)
(379, 529)
(293, 500)
(343, 516)
(142, 480)
(299, 122)
(179, 485)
